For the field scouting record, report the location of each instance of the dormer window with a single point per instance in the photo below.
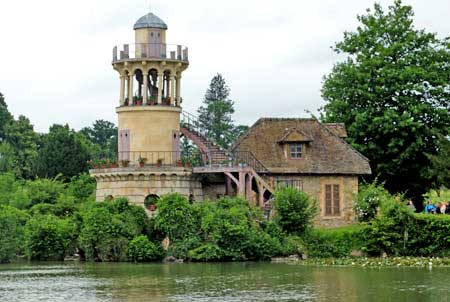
(295, 150)
(294, 142)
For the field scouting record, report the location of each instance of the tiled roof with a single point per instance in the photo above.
(326, 153)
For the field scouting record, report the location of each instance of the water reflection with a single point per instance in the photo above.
(230, 282)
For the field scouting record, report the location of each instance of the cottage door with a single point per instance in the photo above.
(124, 144)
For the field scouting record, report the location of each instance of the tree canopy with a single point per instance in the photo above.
(63, 153)
(392, 92)
(215, 115)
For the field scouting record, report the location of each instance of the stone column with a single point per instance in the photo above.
(130, 89)
(178, 95)
(122, 90)
(145, 84)
(172, 89)
(160, 85)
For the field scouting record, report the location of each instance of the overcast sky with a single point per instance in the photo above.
(55, 55)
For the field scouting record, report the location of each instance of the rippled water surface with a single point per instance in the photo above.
(230, 282)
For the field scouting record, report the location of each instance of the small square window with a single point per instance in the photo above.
(295, 150)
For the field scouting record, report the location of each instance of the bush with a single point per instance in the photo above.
(140, 249)
(108, 227)
(370, 197)
(82, 188)
(294, 210)
(44, 190)
(48, 238)
(333, 243)
(206, 252)
(292, 245)
(176, 217)
(390, 231)
(12, 223)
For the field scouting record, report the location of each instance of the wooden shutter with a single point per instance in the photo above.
(124, 144)
(328, 200)
(336, 199)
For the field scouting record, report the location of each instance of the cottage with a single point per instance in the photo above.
(312, 157)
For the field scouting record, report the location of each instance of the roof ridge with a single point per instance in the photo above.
(349, 146)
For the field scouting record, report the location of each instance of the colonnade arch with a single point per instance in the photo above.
(150, 85)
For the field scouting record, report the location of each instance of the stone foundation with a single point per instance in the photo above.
(137, 183)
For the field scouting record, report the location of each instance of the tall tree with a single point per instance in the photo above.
(5, 117)
(20, 136)
(215, 113)
(393, 94)
(104, 134)
(62, 152)
(440, 164)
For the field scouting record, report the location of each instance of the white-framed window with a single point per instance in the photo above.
(295, 150)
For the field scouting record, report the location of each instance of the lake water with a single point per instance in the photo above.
(230, 282)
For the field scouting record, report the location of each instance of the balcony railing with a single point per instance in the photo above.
(180, 159)
(150, 51)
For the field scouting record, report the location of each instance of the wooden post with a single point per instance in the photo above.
(229, 187)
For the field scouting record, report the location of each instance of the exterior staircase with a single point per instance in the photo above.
(212, 154)
(216, 160)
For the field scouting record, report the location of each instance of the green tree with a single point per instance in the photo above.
(439, 170)
(23, 140)
(103, 134)
(294, 210)
(49, 238)
(7, 159)
(140, 249)
(392, 93)
(173, 209)
(216, 111)
(62, 152)
(107, 228)
(12, 223)
(5, 117)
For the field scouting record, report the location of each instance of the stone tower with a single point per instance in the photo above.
(149, 159)
(149, 162)
(150, 101)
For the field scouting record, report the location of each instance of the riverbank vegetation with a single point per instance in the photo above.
(51, 220)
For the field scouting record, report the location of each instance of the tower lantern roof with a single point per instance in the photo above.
(150, 20)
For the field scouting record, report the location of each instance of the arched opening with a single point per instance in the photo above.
(137, 93)
(152, 86)
(150, 202)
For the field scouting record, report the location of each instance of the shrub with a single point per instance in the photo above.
(206, 252)
(82, 188)
(140, 249)
(294, 210)
(292, 245)
(108, 227)
(333, 243)
(180, 249)
(48, 238)
(44, 190)
(12, 223)
(176, 217)
(101, 236)
(261, 246)
(370, 197)
(390, 231)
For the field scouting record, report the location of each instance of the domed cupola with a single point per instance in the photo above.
(150, 20)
